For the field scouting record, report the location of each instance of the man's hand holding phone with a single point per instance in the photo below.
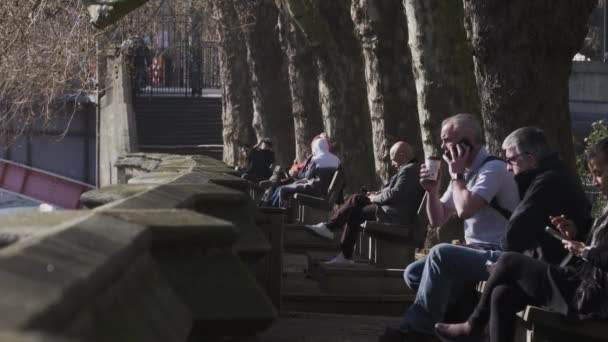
(456, 155)
(565, 226)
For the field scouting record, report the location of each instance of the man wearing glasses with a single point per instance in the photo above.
(548, 189)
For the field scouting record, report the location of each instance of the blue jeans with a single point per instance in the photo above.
(281, 193)
(442, 275)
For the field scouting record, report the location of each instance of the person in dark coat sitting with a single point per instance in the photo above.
(259, 162)
(579, 289)
(397, 202)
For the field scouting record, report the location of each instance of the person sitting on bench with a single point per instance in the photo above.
(578, 290)
(317, 174)
(397, 203)
(259, 161)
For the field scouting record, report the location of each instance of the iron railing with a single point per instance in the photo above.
(176, 60)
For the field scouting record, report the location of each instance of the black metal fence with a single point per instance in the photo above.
(176, 60)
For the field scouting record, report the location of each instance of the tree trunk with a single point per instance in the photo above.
(272, 117)
(342, 95)
(391, 91)
(443, 65)
(303, 85)
(523, 55)
(237, 110)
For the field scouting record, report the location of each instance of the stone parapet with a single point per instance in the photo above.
(168, 258)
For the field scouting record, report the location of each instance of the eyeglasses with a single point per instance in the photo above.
(511, 160)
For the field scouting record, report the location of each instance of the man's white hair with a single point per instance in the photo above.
(467, 121)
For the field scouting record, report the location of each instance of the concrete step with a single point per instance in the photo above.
(299, 239)
(304, 295)
(361, 278)
(316, 258)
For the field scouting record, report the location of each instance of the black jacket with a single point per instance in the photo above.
(549, 190)
(584, 283)
(258, 166)
(400, 198)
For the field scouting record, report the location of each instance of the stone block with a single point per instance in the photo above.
(269, 270)
(98, 197)
(299, 239)
(362, 279)
(316, 258)
(222, 295)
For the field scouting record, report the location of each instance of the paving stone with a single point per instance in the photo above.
(311, 327)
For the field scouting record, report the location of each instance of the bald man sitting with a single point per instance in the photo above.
(397, 202)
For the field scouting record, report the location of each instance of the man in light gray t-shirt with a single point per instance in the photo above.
(491, 181)
(483, 193)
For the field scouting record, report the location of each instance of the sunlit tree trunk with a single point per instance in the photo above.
(272, 117)
(237, 110)
(391, 92)
(303, 85)
(443, 65)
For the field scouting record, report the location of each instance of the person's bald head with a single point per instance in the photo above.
(401, 153)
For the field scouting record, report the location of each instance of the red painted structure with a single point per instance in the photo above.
(41, 185)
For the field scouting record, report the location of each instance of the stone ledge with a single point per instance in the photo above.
(97, 197)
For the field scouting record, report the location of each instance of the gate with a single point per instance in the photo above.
(176, 61)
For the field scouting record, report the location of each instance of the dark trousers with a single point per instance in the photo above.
(517, 281)
(349, 216)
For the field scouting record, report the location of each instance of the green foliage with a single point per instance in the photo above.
(599, 131)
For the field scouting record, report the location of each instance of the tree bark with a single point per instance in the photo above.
(443, 65)
(272, 116)
(523, 55)
(303, 86)
(342, 94)
(237, 110)
(391, 91)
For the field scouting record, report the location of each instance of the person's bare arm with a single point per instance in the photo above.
(437, 212)
(466, 202)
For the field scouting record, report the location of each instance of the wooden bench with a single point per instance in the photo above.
(312, 209)
(540, 325)
(390, 245)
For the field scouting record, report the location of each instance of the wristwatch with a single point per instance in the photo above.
(585, 253)
(458, 176)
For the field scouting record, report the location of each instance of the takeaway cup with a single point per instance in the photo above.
(432, 165)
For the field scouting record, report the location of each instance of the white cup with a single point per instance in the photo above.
(432, 166)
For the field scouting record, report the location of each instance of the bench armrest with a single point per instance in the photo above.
(388, 231)
(540, 318)
(311, 201)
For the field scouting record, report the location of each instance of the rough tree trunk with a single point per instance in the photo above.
(303, 85)
(443, 65)
(342, 94)
(237, 110)
(272, 116)
(391, 91)
(445, 82)
(523, 55)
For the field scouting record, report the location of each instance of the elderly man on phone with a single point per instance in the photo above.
(548, 189)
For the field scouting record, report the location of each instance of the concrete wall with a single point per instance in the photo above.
(588, 95)
(65, 147)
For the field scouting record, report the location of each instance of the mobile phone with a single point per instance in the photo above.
(554, 233)
(464, 143)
